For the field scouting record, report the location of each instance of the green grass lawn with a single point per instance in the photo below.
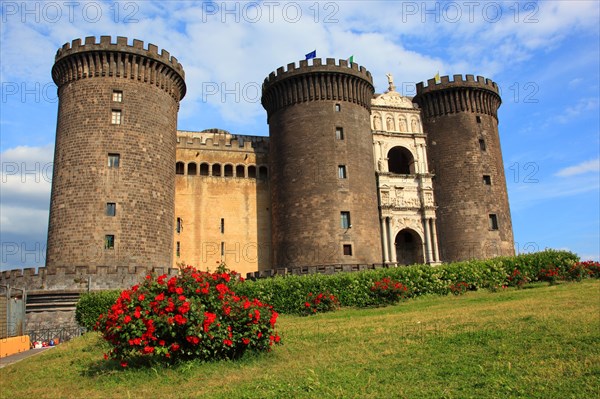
(540, 342)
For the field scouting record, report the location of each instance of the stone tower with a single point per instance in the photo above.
(461, 121)
(323, 188)
(113, 186)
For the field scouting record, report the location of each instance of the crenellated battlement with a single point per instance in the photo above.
(69, 278)
(468, 94)
(318, 66)
(457, 81)
(317, 82)
(218, 139)
(76, 61)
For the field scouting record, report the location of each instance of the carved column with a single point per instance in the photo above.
(391, 244)
(436, 254)
(384, 239)
(429, 256)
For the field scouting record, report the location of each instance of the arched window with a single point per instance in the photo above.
(401, 161)
(228, 171)
(179, 168)
(240, 171)
(204, 169)
(263, 173)
(252, 171)
(216, 169)
(192, 168)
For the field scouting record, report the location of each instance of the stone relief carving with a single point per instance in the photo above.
(403, 127)
(376, 122)
(414, 125)
(390, 123)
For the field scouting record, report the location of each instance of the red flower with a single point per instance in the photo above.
(141, 297)
(179, 290)
(246, 341)
(126, 319)
(148, 349)
(123, 364)
(175, 347)
(228, 342)
(307, 304)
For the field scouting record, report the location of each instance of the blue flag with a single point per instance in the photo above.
(312, 54)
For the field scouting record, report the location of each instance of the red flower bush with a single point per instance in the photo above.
(193, 315)
(581, 270)
(459, 288)
(322, 302)
(388, 291)
(551, 275)
(517, 279)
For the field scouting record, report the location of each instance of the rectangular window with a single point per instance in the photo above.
(222, 248)
(178, 249)
(178, 226)
(117, 96)
(482, 144)
(347, 249)
(339, 133)
(113, 160)
(345, 220)
(342, 171)
(487, 180)
(115, 117)
(478, 118)
(222, 226)
(338, 107)
(493, 222)
(109, 241)
(111, 209)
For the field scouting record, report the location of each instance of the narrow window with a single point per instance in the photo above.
(478, 118)
(263, 173)
(216, 169)
(493, 222)
(178, 226)
(109, 241)
(345, 220)
(252, 172)
(192, 168)
(179, 167)
(204, 169)
(342, 171)
(482, 144)
(487, 180)
(113, 160)
(222, 226)
(222, 248)
(239, 171)
(228, 170)
(115, 117)
(347, 249)
(339, 133)
(117, 96)
(178, 249)
(338, 107)
(111, 209)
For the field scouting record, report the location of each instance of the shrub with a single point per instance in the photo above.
(459, 288)
(320, 303)
(517, 279)
(551, 275)
(193, 315)
(388, 291)
(91, 305)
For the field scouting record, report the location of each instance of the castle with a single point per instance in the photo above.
(347, 178)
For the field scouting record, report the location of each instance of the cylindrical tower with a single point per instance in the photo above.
(461, 122)
(323, 189)
(113, 186)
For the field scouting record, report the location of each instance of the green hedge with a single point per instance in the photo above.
(288, 294)
(91, 305)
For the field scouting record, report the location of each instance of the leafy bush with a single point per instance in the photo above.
(320, 303)
(551, 275)
(193, 315)
(459, 288)
(91, 305)
(517, 279)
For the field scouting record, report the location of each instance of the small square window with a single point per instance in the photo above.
(487, 180)
(111, 209)
(345, 220)
(109, 241)
(178, 249)
(478, 119)
(342, 171)
(114, 160)
(482, 144)
(117, 96)
(115, 117)
(347, 249)
(339, 133)
(493, 221)
(338, 107)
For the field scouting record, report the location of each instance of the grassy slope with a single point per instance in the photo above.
(542, 342)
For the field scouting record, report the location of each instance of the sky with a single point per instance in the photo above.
(543, 55)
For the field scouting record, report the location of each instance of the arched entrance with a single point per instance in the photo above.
(401, 161)
(409, 247)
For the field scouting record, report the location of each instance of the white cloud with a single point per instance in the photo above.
(572, 112)
(581, 168)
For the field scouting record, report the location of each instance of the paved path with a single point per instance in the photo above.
(5, 361)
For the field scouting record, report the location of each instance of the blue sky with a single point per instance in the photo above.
(544, 56)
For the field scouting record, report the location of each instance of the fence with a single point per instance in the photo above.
(12, 311)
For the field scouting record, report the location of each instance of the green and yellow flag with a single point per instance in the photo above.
(437, 77)
(351, 59)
